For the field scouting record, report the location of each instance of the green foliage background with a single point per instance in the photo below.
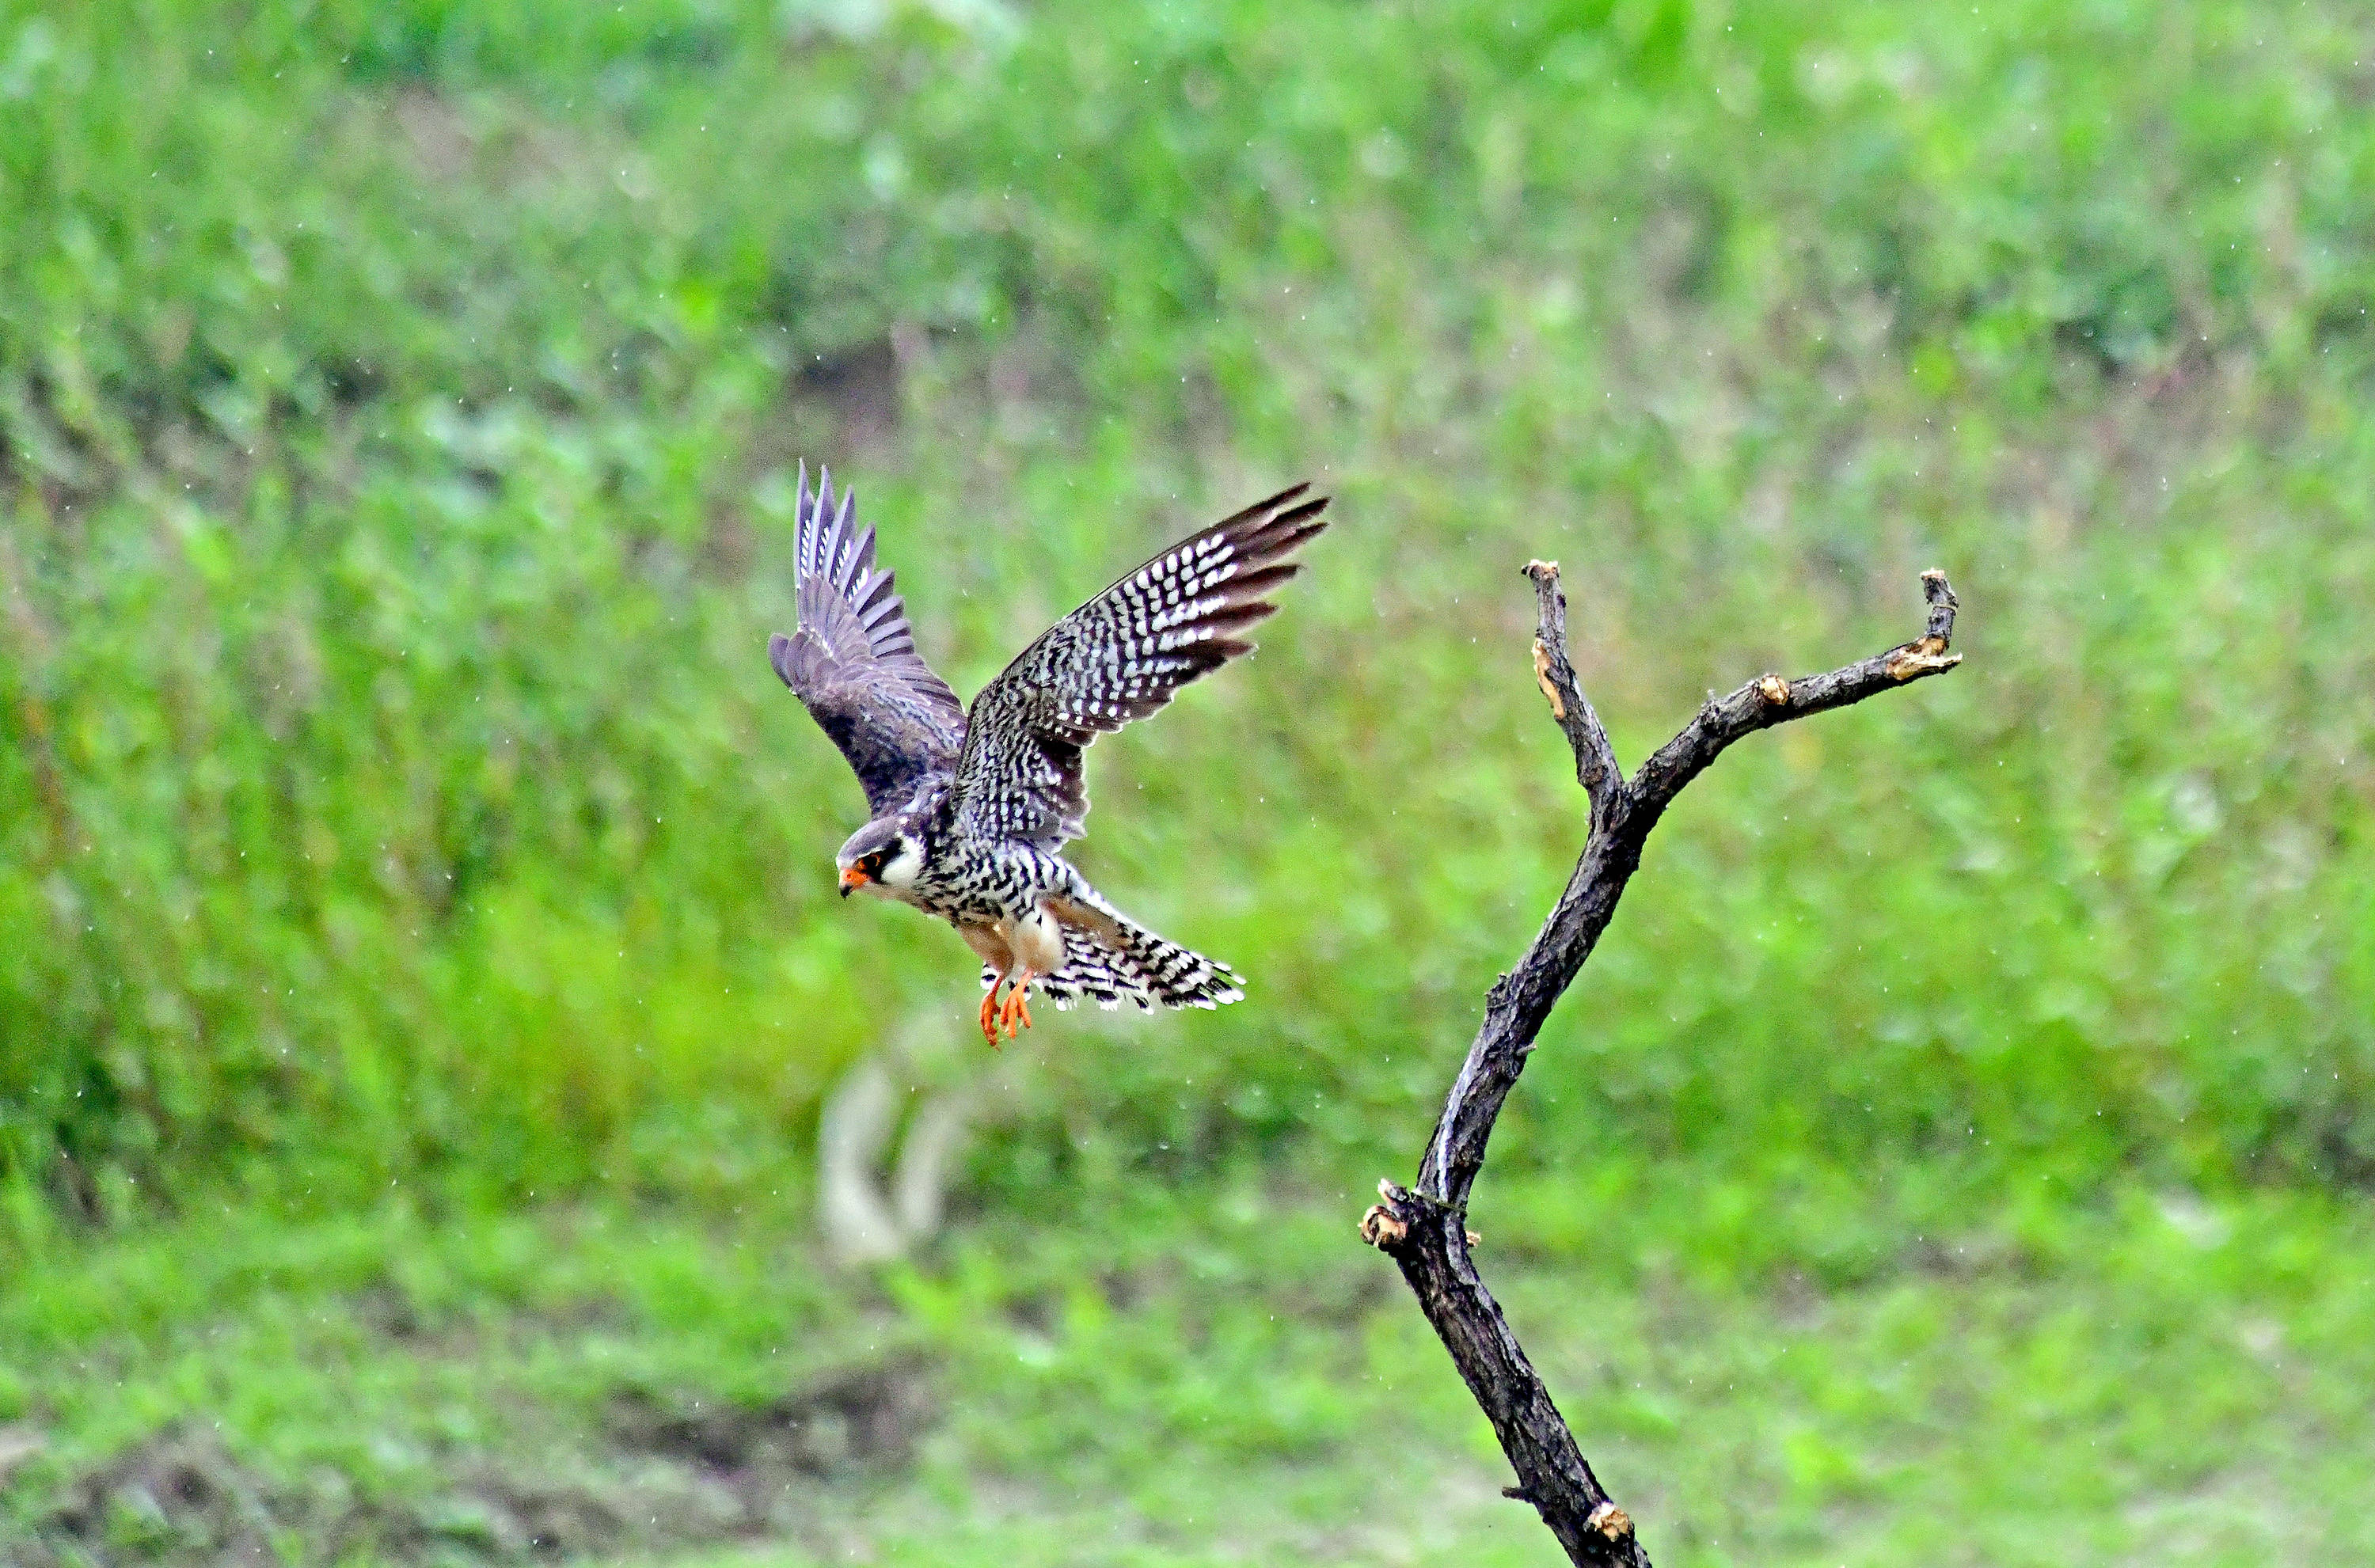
(400, 402)
(419, 967)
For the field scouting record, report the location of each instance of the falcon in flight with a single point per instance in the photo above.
(970, 810)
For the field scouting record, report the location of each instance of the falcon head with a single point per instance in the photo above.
(881, 857)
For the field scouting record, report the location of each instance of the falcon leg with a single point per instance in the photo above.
(990, 941)
(989, 1000)
(1038, 941)
(1014, 1013)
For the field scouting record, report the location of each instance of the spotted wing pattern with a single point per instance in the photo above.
(1119, 658)
(852, 660)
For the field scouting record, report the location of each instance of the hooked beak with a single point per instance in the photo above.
(852, 878)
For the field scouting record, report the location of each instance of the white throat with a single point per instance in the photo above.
(899, 871)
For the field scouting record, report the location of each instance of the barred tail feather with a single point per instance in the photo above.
(1177, 977)
(1089, 973)
(1109, 960)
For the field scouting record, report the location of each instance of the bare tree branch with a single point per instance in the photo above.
(1424, 1228)
(1595, 759)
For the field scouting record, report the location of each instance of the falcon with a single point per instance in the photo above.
(971, 809)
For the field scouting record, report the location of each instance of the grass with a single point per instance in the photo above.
(1218, 1375)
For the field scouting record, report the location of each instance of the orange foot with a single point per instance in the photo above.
(1014, 1013)
(989, 1000)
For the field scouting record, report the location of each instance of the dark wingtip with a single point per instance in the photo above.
(779, 655)
(1235, 619)
(1260, 512)
(1247, 585)
(1278, 533)
(1299, 536)
(1309, 509)
(1293, 504)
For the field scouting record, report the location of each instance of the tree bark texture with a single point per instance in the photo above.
(1423, 1228)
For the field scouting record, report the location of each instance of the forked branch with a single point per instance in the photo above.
(1423, 1229)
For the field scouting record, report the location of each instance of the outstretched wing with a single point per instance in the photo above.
(1119, 658)
(853, 661)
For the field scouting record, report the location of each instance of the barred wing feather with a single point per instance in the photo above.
(1118, 657)
(852, 660)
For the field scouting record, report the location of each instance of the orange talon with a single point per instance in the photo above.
(1014, 1013)
(988, 1000)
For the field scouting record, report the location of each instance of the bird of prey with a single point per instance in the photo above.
(971, 809)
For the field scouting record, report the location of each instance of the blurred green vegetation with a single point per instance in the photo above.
(399, 402)
(399, 407)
